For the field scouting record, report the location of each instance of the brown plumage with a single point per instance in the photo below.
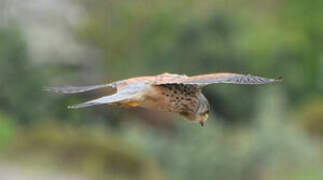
(176, 93)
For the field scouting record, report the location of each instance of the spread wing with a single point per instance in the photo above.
(114, 85)
(78, 89)
(166, 77)
(127, 93)
(228, 78)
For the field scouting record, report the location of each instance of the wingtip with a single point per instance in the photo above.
(83, 105)
(51, 89)
(72, 107)
(48, 89)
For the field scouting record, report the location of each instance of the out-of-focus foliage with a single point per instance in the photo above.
(7, 130)
(258, 132)
(311, 115)
(92, 153)
(20, 84)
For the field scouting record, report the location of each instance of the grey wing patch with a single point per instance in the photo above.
(126, 93)
(231, 78)
(77, 89)
(103, 100)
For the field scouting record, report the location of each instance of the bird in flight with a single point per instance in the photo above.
(165, 92)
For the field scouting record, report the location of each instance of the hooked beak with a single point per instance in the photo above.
(204, 118)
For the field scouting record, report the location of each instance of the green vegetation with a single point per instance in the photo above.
(265, 132)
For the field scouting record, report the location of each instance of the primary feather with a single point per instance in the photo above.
(126, 93)
(77, 89)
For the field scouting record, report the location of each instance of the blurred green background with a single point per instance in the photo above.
(255, 132)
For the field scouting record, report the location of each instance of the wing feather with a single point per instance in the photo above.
(229, 78)
(126, 93)
(103, 100)
(78, 89)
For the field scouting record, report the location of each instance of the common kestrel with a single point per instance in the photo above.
(176, 93)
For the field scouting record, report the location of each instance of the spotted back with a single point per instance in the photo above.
(181, 98)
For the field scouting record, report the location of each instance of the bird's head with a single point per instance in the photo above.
(203, 110)
(201, 114)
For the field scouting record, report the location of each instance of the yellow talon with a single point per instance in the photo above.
(132, 104)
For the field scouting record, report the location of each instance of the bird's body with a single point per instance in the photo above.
(171, 98)
(176, 93)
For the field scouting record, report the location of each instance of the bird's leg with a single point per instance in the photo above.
(131, 104)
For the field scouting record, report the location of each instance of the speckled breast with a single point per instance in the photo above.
(173, 98)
